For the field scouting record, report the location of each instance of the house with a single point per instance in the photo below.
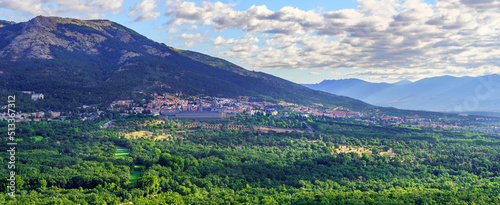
(38, 114)
(37, 96)
(273, 112)
(55, 114)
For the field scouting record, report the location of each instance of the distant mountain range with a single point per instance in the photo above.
(445, 93)
(74, 62)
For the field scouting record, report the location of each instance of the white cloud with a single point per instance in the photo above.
(192, 27)
(109, 5)
(188, 44)
(221, 41)
(75, 8)
(186, 36)
(333, 73)
(173, 30)
(146, 8)
(381, 39)
(314, 73)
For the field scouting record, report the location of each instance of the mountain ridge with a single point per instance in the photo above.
(442, 93)
(78, 62)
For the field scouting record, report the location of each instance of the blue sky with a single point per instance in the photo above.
(309, 41)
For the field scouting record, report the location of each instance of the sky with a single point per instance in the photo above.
(309, 41)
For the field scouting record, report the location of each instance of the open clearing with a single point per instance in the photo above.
(134, 175)
(37, 138)
(360, 151)
(146, 134)
(138, 169)
(121, 152)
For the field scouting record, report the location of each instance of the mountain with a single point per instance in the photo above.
(74, 62)
(354, 88)
(444, 93)
(403, 82)
(6, 23)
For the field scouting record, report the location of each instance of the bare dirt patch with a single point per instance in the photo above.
(347, 149)
(360, 151)
(389, 152)
(147, 134)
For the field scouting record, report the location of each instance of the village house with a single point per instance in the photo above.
(37, 96)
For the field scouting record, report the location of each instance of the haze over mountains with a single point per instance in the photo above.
(445, 93)
(76, 62)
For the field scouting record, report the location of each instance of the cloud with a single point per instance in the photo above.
(186, 36)
(221, 41)
(382, 38)
(173, 30)
(147, 11)
(109, 5)
(416, 74)
(482, 5)
(314, 73)
(188, 13)
(333, 73)
(75, 8)
(240, 51)
(188, 44)
(192, 27)
(379, 39)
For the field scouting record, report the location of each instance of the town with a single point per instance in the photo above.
(179, 106)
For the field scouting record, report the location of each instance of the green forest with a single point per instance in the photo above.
(76, 162)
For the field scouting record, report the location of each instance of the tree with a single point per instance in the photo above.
(149, 183)
(42, 184)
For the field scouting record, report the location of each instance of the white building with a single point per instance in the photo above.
(37, 96)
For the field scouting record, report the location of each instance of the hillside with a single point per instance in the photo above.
(6, 23)
(76, 62)
(147, 160)
(445, 93)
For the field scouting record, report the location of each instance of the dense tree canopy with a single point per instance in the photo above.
(339, 163)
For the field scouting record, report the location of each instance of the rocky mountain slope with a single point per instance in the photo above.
(76, 62)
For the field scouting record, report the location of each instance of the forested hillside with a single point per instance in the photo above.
(146, 160)
(76, 62)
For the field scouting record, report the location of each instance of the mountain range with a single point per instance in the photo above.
(444, 93)
(74, 62)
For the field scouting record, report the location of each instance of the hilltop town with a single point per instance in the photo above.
(181, 107)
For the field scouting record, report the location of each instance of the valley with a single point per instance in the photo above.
(105, 115)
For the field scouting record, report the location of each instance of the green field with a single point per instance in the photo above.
(37, 138)
(139, 167)
(121, 152)
(134, 175)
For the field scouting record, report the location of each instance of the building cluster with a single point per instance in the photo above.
(173, 107)
(35, 116)
(207, 108)
(34, 96)
(327, 112)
